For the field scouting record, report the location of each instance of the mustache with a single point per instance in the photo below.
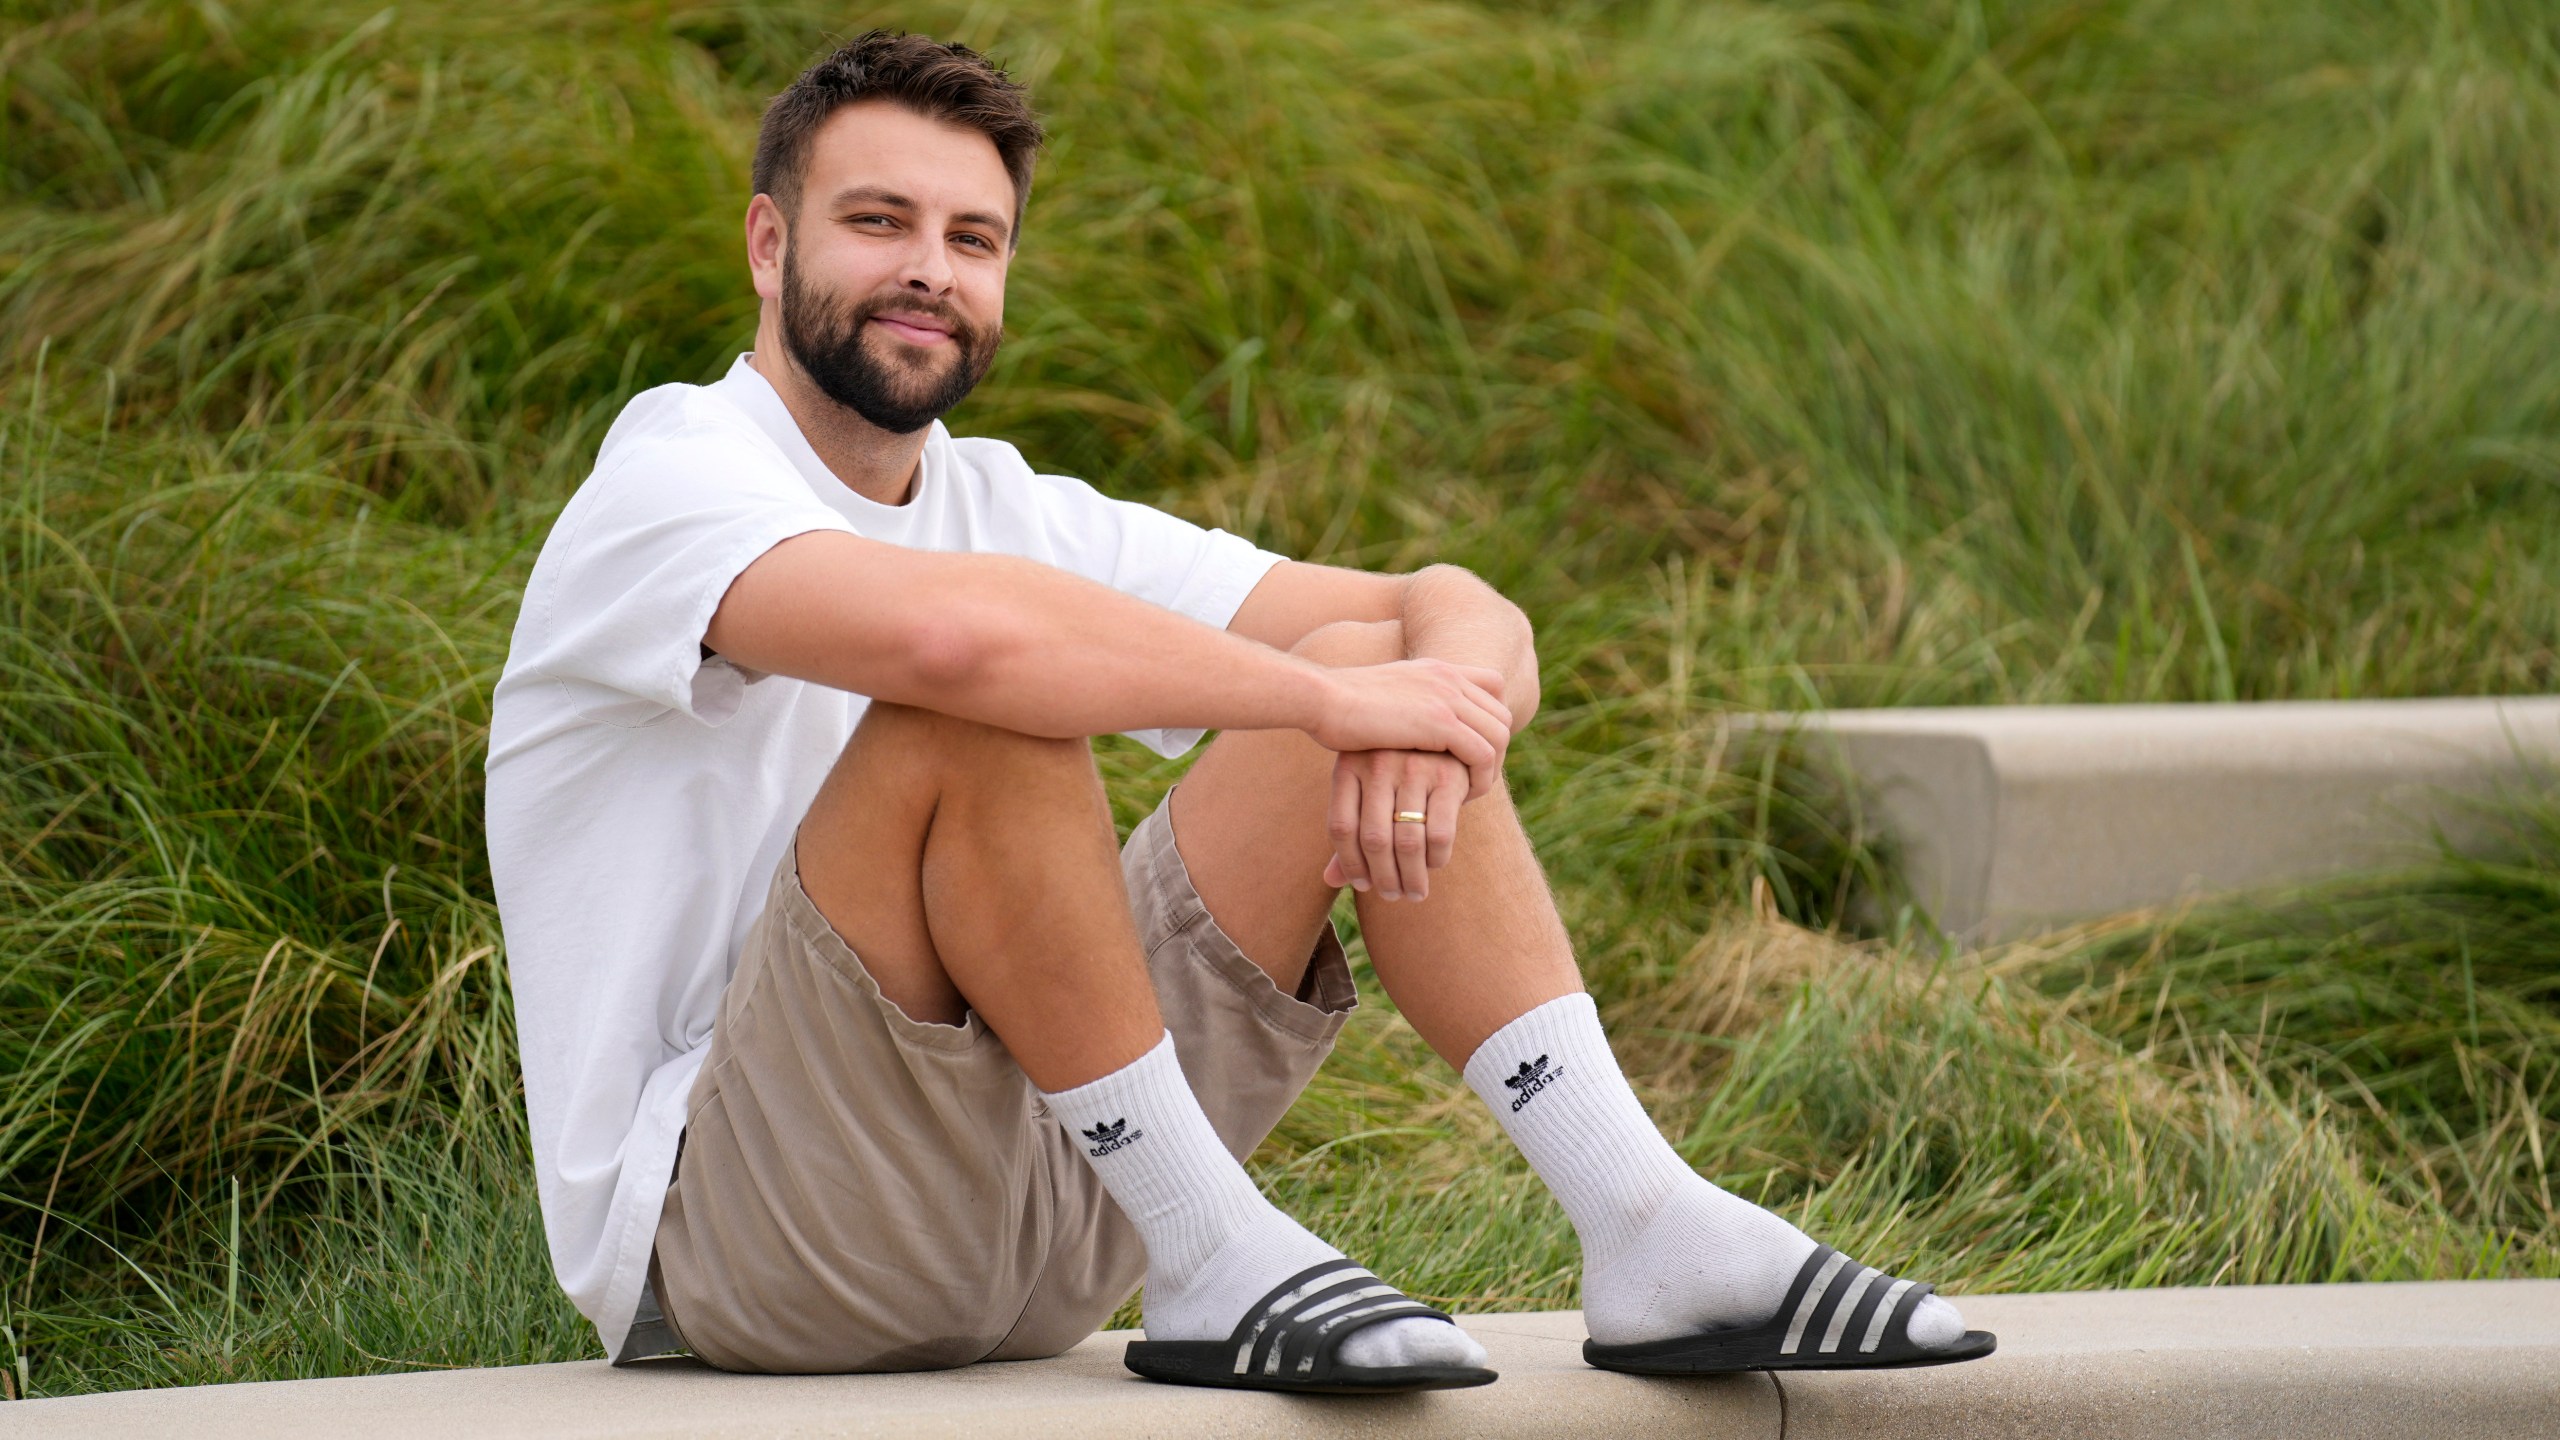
(851, 318)
(827, 336)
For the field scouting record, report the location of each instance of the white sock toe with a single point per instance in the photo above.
(1935, 1325)
(1215, 1247)
(1411, 1342)
(1665, 1252)
(1205, 1303)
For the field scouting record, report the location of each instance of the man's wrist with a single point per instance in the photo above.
(1315, 699)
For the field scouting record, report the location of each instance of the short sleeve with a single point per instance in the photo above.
(639, 562)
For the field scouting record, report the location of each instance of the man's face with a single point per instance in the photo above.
(892, 285)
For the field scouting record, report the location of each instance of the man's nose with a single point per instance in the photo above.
(926, 268)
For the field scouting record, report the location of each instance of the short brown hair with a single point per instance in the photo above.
(950, 83)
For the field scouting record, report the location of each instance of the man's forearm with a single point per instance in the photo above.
(1045, 652)
(1020, 645)
(1451, 615)
(1003, 641)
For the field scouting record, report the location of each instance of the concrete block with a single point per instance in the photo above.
(2478, 1360)
(2011, 819)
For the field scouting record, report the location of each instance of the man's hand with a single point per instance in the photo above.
(1377, 773)
(1427, 705)
(1373, 852)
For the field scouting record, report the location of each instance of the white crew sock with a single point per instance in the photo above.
(1214, 1245)
(1665, 1252)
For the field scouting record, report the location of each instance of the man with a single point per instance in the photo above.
(849, 1043)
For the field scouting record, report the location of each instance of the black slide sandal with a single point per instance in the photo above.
(1289, 1341)
(1838, 1315)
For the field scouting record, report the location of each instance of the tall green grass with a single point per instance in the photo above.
(1770, 354)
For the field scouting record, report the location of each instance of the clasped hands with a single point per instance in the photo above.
(1411, 738)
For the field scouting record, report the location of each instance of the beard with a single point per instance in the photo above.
(832, 342)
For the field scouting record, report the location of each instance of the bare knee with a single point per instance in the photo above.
(922, 735)
(1353, 642)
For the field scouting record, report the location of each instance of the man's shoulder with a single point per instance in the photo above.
(674, 419)
(680, 447)
(674, 451)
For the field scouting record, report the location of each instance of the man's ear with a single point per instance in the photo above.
(768, 240)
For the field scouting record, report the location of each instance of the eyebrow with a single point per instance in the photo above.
(891, 200)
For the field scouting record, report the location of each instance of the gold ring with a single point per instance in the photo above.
(1411, 817)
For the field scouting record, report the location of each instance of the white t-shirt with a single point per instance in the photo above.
(641, 795)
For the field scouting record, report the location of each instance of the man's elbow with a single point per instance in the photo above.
(945, 659)
(1444, 573)
(1520, 679)
(1522, 690)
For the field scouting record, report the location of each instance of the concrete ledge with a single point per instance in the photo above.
(1546, 1392)
(2010, 819)
(2325, 1362)
(2336, 1362)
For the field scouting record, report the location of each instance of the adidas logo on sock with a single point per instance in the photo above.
(1534, 1076)
(1109, 1136)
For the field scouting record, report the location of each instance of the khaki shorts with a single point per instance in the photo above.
(858, 1190)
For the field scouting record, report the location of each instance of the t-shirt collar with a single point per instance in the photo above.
(746, 388)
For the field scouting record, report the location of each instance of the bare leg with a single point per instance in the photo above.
(1483, 949)
(1665, 1252)
(974, 868)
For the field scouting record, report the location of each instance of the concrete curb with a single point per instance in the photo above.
(2013, 818)
(1546, 1392)
(2478, 1359)
(2336, 1362)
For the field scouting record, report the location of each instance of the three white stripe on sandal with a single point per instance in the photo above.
(1821, 1286)
(1374, 1296)
(1848, 1303)
(1274, 1310)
